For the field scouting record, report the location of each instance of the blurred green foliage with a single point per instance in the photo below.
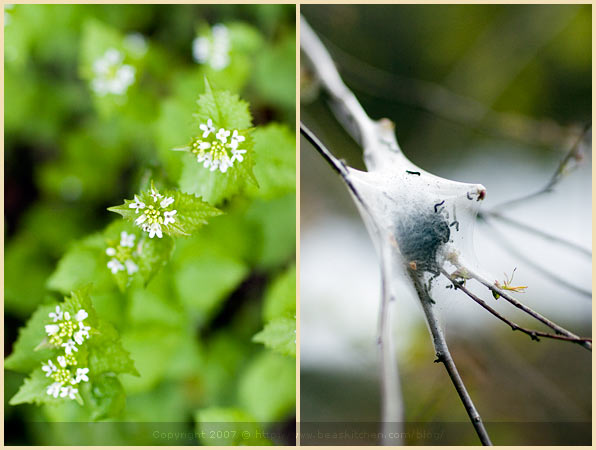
(70, 153)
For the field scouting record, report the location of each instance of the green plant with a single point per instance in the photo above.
(157, 309)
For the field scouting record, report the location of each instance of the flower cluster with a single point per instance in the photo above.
(155, 215)
(217, 151)
(66, 332)
(111, 76)
(123, 255)
(213, 50)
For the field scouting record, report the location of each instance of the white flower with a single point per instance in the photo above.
(236, 139)
(213, 50)
(69, 347)
(69, 391)
(78, 337)
(82, 375)
(131, 267)
(49, 368)
(222, 135)
(52, 329)
(155, 194)
(66, 315)
(127, 240)
(224, 163)
(141, 219)
(57, 315)
(137, 204)
(62, 361)
(155, 229)
(206, 159)
(166, 202)
(115, 266)
(54, 389)
(207, 128)
(237, 155)
(84, 330)
(200, 49)
(136, 43)
(169, 217)
(81, 315)
(111, 76)
(110, 251)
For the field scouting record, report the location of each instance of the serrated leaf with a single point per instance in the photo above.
(33, 390)
(215, 187)
(275, 161)
(149, 255)
(279, 335)
(102, 353)
(106, 398)
(225, 109)
(267, 388)
(23, 357)
(191, 211)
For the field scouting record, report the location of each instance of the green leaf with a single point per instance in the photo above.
(203, 283)
(191, 211)
(225, 109)
(275, 237)
(105, 399)
(152, 347)
(267, 389)
(274, 76)
(279, 335)
(106, 353)
(275, 161)
(33, 390)
(149, 255)
(280, 298)
(84, 262)
(23, 357)
(228, 426)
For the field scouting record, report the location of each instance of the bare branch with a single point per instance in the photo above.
(380, 147)
(534, 334)
(534, 231)
(546, 272)
(448, 105)
(494, 288)
(573, 155)
(444, 356)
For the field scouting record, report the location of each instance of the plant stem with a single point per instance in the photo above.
(444, 356)
(534, 334)
(549, 323)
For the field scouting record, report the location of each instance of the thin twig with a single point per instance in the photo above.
(390, 385)
(444, 356)
(494, 288)
(553, 276)
(445, 103)
(573, 154)
(534, 334)
(534, 231)
(345, 99)
(391, 399)
(353, 117)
